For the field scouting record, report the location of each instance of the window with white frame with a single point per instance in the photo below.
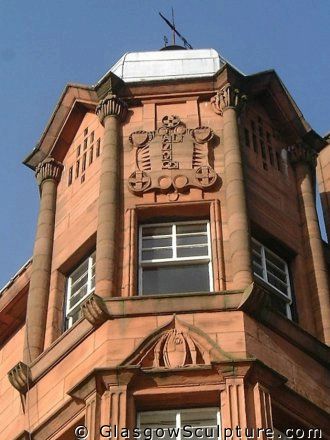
(193, 423)
(175, 258)
(80, 284)
(275, 272)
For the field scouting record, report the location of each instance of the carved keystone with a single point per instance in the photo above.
(20, 377)
(94, 310)
(227, 97)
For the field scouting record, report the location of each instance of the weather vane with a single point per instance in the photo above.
(175, 32)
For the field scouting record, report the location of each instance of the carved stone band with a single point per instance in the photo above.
(111, 105)
(302, 153)
(227, 97)
(49, 169)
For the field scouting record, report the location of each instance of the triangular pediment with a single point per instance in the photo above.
(175, 345)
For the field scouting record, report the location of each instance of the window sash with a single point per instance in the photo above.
(178, 417)
(71, 306)
(268, 268)
(175, 260)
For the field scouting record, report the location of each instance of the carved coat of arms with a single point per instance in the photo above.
(172, 157)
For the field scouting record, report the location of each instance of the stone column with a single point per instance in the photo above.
(303, 159)
(227, 103)
(48, 174)
(111, 111)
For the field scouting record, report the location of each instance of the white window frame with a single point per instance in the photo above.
(69, 310)
(177, 413)
(287, 298)
(175, 261)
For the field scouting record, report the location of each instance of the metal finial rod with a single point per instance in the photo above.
(185, 42)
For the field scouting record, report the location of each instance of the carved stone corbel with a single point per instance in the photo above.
(20, 377)
(95, 310)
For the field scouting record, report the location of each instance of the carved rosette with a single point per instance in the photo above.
(20, 377)
(227, 97)
(172, 158)
(94, 310)
(302, 153)
(50, 169)
(111, 105)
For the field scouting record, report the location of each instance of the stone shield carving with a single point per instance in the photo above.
(171, 158)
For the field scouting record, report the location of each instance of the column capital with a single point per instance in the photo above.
(302, 153)
(50, 169)
(111, 105)
(227, 97)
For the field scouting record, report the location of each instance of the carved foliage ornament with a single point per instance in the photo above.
(111, 105)
(227, 97)
(50, 169)
(300, 152)
(172, 158)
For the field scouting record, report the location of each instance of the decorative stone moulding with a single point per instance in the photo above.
(111, 105)
(94, 310)
(172, 158)
(302, 153)
(50, 169)
(20, 377)
(227, 97)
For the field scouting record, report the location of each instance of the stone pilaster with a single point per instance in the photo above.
(233, 405)
(227, 102)
(48, 174)
(111, 112)
(262, 408)
(303, 159)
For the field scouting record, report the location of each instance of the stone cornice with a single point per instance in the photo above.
(49, 169)
(111, 105)
(302, 153)
(227, 97)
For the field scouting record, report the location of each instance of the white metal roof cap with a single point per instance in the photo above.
(167, 64)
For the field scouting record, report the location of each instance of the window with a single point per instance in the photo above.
(175, 258)
(80, 284)
(275, 272)
(191, 423)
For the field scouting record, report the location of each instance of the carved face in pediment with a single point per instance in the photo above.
(172, 157)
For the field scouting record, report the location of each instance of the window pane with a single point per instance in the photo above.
(190, 251)
(258, 269)
(78, 296)
(203, 422)
(156, 242)
(156, 230)
(278, 262)
(176, 279)
(76, 274)
(191, 239)
(277, 283)
(184, 229)
(75, 315)
(276, 272)
(78, 284)
(157, 254)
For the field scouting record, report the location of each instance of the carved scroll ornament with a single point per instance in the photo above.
(172, 158)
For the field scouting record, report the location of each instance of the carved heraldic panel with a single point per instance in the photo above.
(171, 158)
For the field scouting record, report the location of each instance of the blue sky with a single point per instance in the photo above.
(44, 45)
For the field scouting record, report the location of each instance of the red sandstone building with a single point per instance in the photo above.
(178, 275)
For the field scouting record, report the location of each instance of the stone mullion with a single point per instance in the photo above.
(217, 246)
(48, 174)
(111, 112)
(304, 161)
(227, 103)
